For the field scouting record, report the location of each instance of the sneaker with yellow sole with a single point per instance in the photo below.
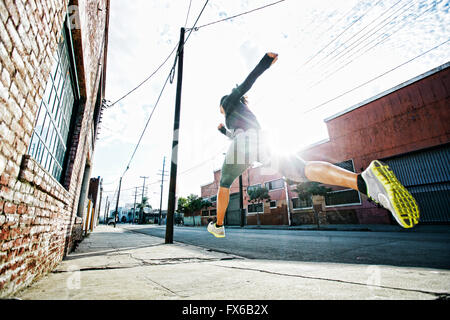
(384, 188)
(217, 232)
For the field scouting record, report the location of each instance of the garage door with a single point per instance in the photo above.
(426, 174)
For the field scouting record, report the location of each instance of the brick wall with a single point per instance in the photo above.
(38, 215)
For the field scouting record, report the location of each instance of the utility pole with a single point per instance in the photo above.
(116, 213)
(241, 202)
(176, 126)
(100, 201)
(106, 210)
(288, 201)
(162, 184)
(142, 201)
(134, 207)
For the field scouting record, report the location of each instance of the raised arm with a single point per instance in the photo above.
(237, 93)
(225, 131)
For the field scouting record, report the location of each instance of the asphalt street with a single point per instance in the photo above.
(427, 250)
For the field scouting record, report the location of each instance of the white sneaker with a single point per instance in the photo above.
(384, 188)
(217, 232)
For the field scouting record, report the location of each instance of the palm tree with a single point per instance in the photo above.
(144, 204)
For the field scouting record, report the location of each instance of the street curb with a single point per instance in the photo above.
(348, 228)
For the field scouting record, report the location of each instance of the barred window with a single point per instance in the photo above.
(254, 187)
(301, 204)
(49, 141)
(276, 184)
(255, 208)
(205, 213)
(347, 165)
(343, 197)
(212, 212)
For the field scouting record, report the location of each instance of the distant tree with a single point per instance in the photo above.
(182, 204)
(259, 194)
(192, 204)
(143, 204)
(307, 189)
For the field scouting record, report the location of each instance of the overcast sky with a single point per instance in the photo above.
(325, 48)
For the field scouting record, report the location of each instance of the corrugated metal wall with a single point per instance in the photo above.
(426, 174)
(233, 215)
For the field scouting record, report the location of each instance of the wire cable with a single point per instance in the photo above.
(163, 63)
(189, 10)
(333, 52)
(377, 77)
(237, 15)
(345, 30)
(347, 50)
(377, 41)
(367, 36)
(146, 79)
(169, 77)
(146, 124)
(181, 47)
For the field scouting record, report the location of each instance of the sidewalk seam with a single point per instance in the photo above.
(438, 295)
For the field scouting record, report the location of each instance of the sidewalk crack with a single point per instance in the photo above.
(165, 288)
(146, 262)
(438, 295)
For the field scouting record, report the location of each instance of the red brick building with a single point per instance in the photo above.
(52, 67)
(408, 127)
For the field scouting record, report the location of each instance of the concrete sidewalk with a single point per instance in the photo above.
(113, 263)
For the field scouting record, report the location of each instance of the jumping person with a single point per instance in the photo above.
(378, 181)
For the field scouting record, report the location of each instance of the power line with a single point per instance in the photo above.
(343, 43)
(358, 42)
(169, 77)
(296, 70)
(181, 47)
(238, 15)
(181, 173)
(345, 30)
(146, 79)
(194, 27)
(339, 20)
(161, 65)
(187, 16)
(202, 163)
(377, 77)
(139, 186)
(377, 43)
(146, 124)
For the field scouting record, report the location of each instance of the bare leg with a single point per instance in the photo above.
(223, 197)
(327, 173)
